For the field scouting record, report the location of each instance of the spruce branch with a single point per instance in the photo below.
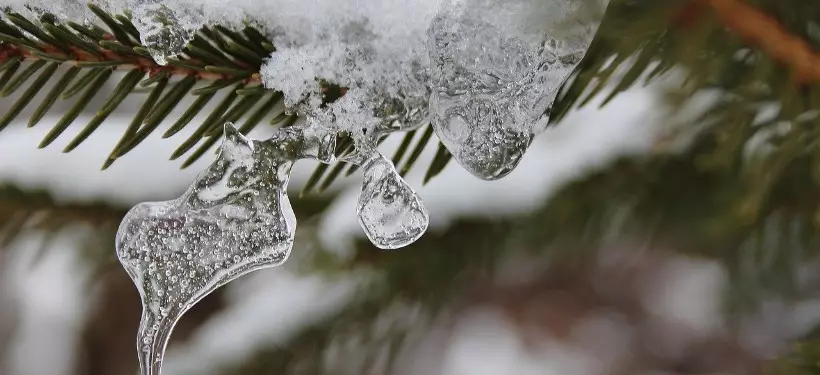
(216, 60)
(626, 51)
(97, 53)
(713, 200)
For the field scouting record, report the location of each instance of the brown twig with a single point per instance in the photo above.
(759, 30)
(147, 65)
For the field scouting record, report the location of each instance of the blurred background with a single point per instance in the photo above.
(503, 305)
(644, 236)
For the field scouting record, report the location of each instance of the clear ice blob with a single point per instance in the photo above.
(390, 212)
(496, 67)
(234, 219)
(165, 30)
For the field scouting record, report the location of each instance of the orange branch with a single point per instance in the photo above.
(145, 64)
(762, 31)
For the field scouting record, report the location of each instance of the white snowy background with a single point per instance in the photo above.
(52, 296)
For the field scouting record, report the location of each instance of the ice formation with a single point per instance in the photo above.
(234, 219)
(483, 72)
(390, 212)
(496, 68)
(374, 47)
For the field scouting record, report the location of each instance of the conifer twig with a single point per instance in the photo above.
(762, 31)
(81, 56)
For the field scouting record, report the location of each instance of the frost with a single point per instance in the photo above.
(236, 218)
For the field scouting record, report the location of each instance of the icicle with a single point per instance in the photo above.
(236, 218)
(164, 30)
(390, 212)
(496, 68)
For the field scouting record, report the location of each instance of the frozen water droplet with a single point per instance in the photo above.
(179, 251)
(390, 212)
(163, 30)
(496, 68)
(475, 134)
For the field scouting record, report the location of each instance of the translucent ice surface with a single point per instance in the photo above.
(390, 212)
(236, 218)
(496, 68)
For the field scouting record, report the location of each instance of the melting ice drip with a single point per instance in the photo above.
(496, 68)
(390, 212)
(235, 219)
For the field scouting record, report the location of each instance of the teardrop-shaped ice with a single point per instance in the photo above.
(475, 133)
(496, 68)
(234, 219)
(390, 212)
